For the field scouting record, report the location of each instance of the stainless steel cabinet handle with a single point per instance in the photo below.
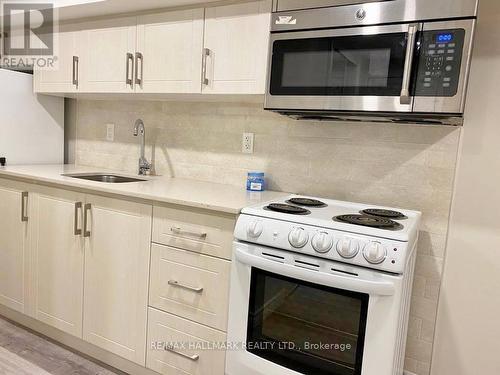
(78, 207)
(24, 206)
(410, 52)
(86, 210)
(191, 357)
(76, 68)
(178, 230)
(190, 288)
(130, 70)
(139, 56)
(204, 79)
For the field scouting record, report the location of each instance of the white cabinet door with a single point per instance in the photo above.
(117, 252)
(108, 62)
(58, 256)
(171, 47)
(64, 76)
(14, 245)
(237, 38)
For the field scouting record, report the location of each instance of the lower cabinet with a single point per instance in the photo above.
(58, 256)
(84, 264)
(179, 346)
(14, 245)
(118, 241)
(190, 285)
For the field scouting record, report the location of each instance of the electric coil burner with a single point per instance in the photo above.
(308, 202)
(369, 221)
(388, 214)
(288, 209)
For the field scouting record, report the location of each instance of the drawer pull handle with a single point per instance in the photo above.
(193, 358)
(178, 230)
(177, 284)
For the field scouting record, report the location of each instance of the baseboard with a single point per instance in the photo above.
(408, 373)
(74, 343)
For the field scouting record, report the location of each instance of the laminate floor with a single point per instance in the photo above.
(24, 353)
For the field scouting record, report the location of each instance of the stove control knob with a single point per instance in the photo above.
(322, 242)
(255, 229)
(347, 248)
(375, 252)
(298, 237)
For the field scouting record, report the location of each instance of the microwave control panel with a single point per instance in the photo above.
(440, 63)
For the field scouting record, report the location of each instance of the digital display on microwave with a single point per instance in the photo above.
(444, 38)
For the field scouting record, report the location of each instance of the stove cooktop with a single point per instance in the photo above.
(332, 214)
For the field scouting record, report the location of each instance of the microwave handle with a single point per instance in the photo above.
(410, 53)
(352, 283)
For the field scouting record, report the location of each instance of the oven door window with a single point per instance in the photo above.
(360, 65)
(305, 327)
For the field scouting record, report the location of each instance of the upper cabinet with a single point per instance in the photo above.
(236, 48)
(169, 52)
(65, 75)
(108, 64)
(217, 50)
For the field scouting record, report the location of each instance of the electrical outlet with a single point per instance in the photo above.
(247, 144)
(110, 132)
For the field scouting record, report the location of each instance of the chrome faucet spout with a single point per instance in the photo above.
(140, 130)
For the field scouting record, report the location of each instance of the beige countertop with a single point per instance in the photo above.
(192, 193)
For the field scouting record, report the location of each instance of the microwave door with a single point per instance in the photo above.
(355, 69)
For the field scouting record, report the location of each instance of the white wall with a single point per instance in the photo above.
(468, 325)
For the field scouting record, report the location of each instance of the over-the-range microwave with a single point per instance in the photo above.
(386, 60)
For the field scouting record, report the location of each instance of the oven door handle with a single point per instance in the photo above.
(372, 286)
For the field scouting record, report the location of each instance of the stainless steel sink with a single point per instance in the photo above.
(104, 177)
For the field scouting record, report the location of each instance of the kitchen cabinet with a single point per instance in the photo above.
(236, 44)
(58, 256)
(169, 52)
(84, 263)
(192, 359)
(107, 64)
(190, 285)
(194, 230)
(14, 245)
(217, 50)
(117, 252)
(65, 77)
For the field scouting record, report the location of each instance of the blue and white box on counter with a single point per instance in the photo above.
(256, 181)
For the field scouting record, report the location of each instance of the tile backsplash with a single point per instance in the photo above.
(407, 166)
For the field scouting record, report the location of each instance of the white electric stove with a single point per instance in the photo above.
(321, 287)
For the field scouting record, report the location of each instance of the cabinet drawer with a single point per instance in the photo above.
(201, 232)
(168, 333)
(190, 285)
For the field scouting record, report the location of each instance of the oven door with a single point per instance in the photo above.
(351, 69)
(302, 315)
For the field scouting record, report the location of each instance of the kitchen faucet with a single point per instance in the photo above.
(144, 165)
